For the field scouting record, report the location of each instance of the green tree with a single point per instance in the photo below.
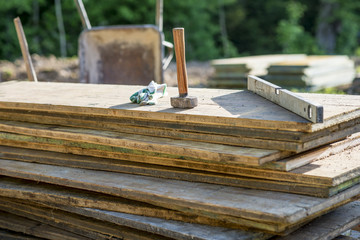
(291, 35)
(213, 28)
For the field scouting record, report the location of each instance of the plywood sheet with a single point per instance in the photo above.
(11, 235)
(177, 230)
(331, 166)
(146, 144)
(264, 139)
(252, 208)
(225, 135)
(308, 184)
(86, 227)
(24, 225)
(215, 106)
(305, 158)
(329, 225)
(48, 193)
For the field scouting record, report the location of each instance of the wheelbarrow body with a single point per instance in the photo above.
(131, 55)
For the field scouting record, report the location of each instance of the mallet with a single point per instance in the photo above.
(183, 100)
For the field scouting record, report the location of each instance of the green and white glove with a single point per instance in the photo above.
(150, 94)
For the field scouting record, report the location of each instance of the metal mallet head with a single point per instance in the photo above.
(183, 100)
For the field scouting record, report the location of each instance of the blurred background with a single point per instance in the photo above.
(215, 29)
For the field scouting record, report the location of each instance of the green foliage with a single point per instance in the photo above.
(348, 16)
(291, 35)
(251, 26)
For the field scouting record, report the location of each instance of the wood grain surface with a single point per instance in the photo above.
(144, 228)
(329, 225)
(215, 106)
(251, 208)
(319, 180)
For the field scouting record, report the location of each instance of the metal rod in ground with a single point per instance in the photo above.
(25, 50)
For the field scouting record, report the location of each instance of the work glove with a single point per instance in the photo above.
(150, 94)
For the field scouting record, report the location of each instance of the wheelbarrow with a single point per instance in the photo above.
(126, 54)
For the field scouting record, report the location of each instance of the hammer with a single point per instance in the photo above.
(183, 100)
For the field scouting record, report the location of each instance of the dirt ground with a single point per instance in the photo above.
(67, 70)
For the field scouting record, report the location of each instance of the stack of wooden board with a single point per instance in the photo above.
(84, 152)
(313, 72)
(233, 72)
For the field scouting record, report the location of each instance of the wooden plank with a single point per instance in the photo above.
(320, 173)
(175, 229)
(214, 201)
(313, 61)
(11, 235)
(216, 106)
(328, 136)
(206, 151)
(310, 71)
(106, 151)
(329, 225)
(216, 138)
(58, 224)
(308, 184)
(27, 226)
(47, 193)
(311, 111)
(288, 79)
(157, 128)
(302, 159)
(269, 139)
(144, 127)
(335, 166)
(323, 81)
(342, 237)
(256, 64)
(83, 226)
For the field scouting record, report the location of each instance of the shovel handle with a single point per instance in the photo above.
(83, 15)
(25, 50)
(179, 44)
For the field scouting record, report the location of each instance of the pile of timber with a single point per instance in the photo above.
(82, 162)
(233, 72)
(313, 72)
(294, 71)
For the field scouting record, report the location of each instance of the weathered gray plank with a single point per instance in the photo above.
(228, 135)
(145, 226)
(220, 202)
(48, 193)
(175, 229)
(31, 227)
(329, 225)
(83, 226)
(308, 184)
(206, 151)
(342, 237)
(332, 167)
(302, 159)
(11, 235)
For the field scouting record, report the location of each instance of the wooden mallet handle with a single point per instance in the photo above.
(179, 45)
